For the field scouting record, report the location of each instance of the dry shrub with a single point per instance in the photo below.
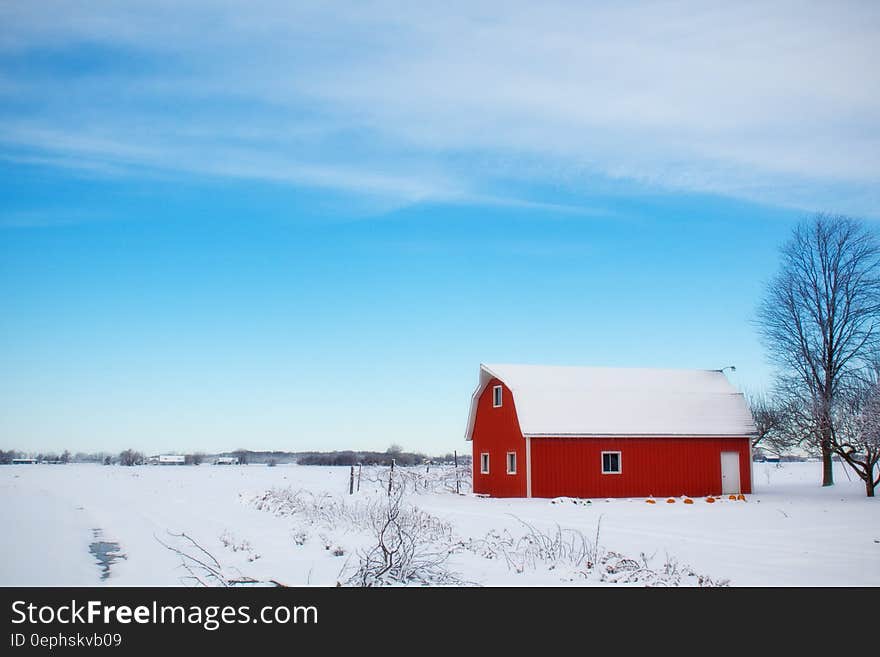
(407, 550)
(570, 552)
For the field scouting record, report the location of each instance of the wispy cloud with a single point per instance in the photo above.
(775, 102)
(48, 218)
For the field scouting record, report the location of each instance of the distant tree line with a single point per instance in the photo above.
(127, 457)
(132, 457)
(365, 458)
(394, 453)
(7, 456)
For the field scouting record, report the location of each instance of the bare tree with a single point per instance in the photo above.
(857, 431)
(773, 420)
(130, 457)
(819, 318)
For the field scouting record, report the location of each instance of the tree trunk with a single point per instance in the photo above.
(827, 466)
(827, 463)
(869, 487)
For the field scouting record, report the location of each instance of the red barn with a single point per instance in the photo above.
(588, 432)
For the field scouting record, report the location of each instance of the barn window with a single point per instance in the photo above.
(511, 462)
(484, 463)
(610, 462)
(496, 396)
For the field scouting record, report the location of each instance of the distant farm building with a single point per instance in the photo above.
(760, 456)
(24, 461)
(226, 460)
(168, 459)
(591, 432)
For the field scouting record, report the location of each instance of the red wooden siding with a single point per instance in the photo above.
(662, 467)
(496, 431)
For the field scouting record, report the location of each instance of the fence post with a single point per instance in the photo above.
(360, 465)
(390, 477)
(457, 488)
(351, 481)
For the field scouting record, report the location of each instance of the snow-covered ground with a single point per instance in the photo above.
(791, 532)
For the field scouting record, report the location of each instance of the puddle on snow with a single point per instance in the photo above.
(105, 552)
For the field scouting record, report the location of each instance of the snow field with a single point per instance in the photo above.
(791, 532)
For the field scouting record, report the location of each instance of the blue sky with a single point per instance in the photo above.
(304, 226)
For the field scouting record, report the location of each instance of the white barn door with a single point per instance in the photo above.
(730, 473)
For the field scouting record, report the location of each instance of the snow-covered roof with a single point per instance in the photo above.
(605, 401)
